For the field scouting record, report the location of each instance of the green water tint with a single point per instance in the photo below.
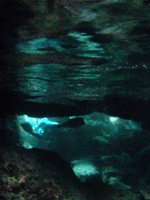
(90, 149)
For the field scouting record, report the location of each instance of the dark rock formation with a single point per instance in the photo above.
(70, 58)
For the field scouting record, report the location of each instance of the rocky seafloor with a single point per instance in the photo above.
(35, 175)
(43, 175)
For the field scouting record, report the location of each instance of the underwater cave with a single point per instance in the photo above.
(74, 100)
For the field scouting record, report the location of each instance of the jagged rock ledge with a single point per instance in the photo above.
(128, 108)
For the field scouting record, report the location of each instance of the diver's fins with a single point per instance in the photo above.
(28, 128)
(73, 123)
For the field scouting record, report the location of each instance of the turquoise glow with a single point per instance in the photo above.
(39, 46)
(87, 48)
(38, 124)
(84, 168)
